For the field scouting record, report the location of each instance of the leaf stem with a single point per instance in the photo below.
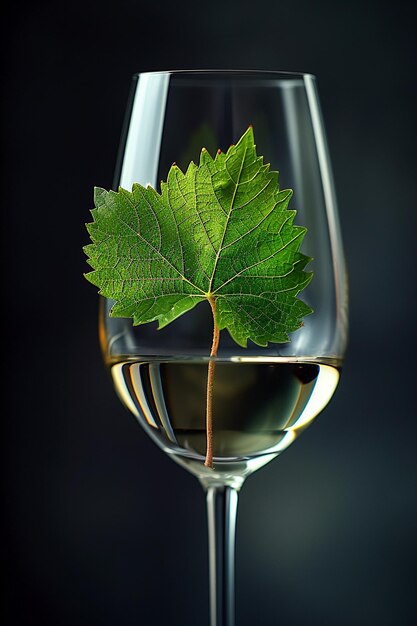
(210, 384)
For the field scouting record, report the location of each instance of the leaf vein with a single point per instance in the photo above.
(260, 262)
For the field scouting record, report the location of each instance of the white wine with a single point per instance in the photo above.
(260, 406)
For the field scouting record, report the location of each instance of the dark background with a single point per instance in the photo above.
(100, 527)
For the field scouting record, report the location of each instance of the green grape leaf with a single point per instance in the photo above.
(221, 231)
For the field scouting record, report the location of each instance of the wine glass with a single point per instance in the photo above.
(263, 398)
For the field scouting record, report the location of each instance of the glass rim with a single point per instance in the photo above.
(246, 73)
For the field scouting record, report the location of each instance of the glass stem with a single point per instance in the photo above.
(221, 512)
